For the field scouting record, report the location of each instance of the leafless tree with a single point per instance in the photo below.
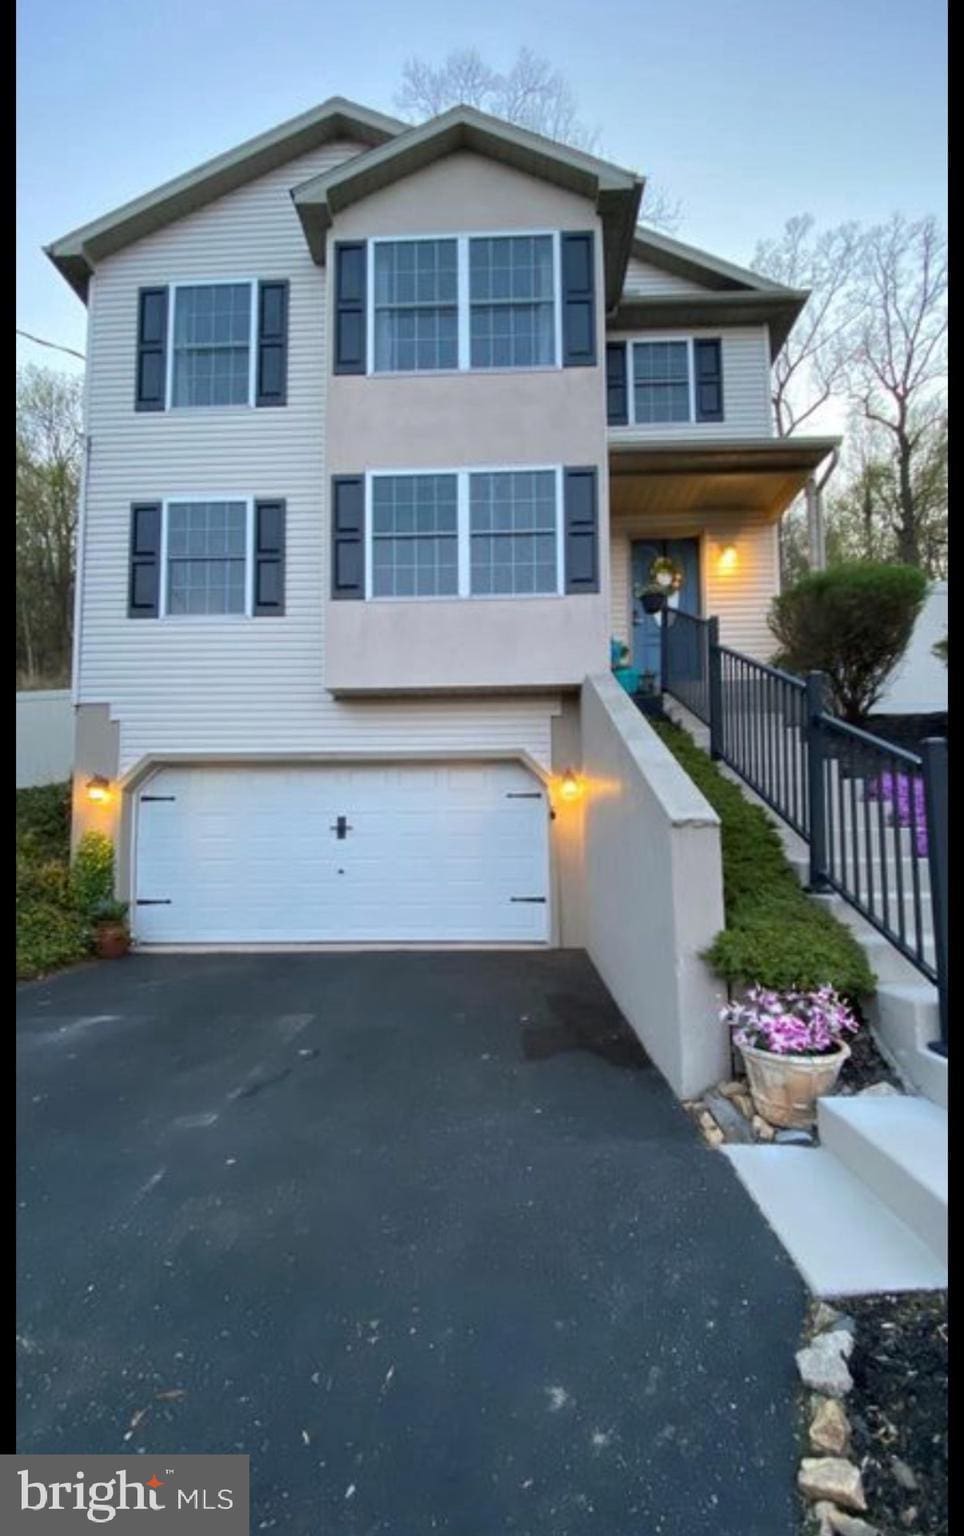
(897, 358)
(49, 451)
(531, 94)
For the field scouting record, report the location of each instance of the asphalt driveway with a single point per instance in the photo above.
(424, 1234)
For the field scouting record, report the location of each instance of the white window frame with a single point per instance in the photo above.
(464, 534)
(690, 339)
(180, 499)
(214, 282)
(463, 302)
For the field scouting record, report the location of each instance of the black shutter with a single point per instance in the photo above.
(351, 261)
(348, 536)
(145, 560)
(272, 381)
(578, 300)
(269, 559)
(617, 388)
(151, 383)
(708, 365)
(582, 530)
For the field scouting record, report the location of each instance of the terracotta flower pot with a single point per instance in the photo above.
(785, 1088)
(111, 940)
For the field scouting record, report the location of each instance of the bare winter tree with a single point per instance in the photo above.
(812, 365)
(49, 451)
(897, 360)
(531, 94)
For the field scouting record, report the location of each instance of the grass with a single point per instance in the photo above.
(51, 932)
(775, 933)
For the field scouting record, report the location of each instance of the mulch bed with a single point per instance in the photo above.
(865, 1066)
(898, 1409)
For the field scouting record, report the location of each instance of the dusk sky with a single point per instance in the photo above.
(746, 113)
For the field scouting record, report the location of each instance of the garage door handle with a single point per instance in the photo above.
(524, 794)
(341, 827)
(535, 900)
(153, 901)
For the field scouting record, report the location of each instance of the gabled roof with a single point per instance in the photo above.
(615, 192)
(728, 295)
(75, 255)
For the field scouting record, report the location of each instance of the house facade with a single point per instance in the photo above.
(385, 427)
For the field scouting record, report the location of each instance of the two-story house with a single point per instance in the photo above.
(385, 425)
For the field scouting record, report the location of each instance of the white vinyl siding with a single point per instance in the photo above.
(739, 597)
(212, 684)
(643, 280)
(747, 410)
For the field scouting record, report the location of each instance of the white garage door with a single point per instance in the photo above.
(418, 852)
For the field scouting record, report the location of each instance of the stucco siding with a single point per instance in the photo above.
(227, 684)
(747, 411)
(740, 596)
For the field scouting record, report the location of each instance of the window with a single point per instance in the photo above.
(211, 350)
(513, 532)
(207, 544)
(661, 381)
(416, 305)
(414, 536)
(486, 301)
(465, 533)
(511, 300)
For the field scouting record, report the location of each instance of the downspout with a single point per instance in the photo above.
(816, 532)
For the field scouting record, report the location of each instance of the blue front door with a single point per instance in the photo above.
(646, 626)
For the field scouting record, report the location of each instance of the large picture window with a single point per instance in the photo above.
(211, 352)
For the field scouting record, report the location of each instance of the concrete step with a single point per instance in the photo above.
(843, 1238)
(897, 1147)
(905, 1018)
(888, 963)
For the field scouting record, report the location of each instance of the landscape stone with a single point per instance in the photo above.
(878, 1091)
(836, 1522)
(832, 1478)
(788, 1136)
(823, 1364)
(728, 1118)
(826, 1319)
(830, 1428)
(763, 1128)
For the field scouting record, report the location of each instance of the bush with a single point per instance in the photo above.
(43, 822)
(92, 875)
(775, 933)
(852, 622)
(49, 935)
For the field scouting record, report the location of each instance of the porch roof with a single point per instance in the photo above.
(752, 475)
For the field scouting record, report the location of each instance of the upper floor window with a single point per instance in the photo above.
(512, 301)
(416, 305)
(211, 353)
(513, 516)
(664, 380)
(466, 302)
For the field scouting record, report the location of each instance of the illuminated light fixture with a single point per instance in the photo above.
(728, 558)
(98, 789)
(570, 786)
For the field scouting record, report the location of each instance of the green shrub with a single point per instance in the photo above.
(49, 935)
(43, 822)
(852, 622)
(775, 933)
(92, 874)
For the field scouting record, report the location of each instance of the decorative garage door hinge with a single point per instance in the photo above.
(535, 900)
(153, 901)
(145, 798)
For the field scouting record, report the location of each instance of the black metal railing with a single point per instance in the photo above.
(873, 814)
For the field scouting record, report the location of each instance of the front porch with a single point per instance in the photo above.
(716, 508)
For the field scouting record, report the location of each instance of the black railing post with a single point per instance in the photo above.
(715, 680)
(664, 649)
(816, 787)
(934, 756)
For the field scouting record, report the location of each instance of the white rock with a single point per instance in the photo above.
(823, 1364)
(877, 1091)
(830, 1428)
(836, 1522)
(827, 1319)
(832, 1478)
(763, 1129)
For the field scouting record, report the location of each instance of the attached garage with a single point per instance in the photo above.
(402, 852)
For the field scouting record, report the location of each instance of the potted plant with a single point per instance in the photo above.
(793, 1048)
(111, 934)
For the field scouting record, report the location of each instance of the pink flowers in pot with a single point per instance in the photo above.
(896, 789)
(791, 1023)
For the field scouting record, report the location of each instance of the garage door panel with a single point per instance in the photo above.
(433, 852)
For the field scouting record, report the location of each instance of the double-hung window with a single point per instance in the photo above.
(206, 557)
(465, 533)
(466, 302)
(512, 301)
(661, 381)
(211, 352)
(416, 305)
(414, 520)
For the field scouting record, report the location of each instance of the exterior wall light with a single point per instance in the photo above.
(728, 558)
(570, 786)
(98, 789)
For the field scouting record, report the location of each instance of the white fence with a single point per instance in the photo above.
(45, 737)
